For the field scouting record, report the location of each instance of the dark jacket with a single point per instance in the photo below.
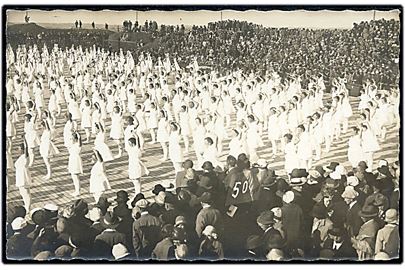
(353, 220)
(18, 246)
(208, 216)
(164, 250)
(345, 251)
(292, 220)
(145, 235)
(105, 241)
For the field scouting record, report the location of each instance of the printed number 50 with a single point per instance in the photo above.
(236, 189)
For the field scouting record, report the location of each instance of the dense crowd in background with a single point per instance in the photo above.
(369, 50)
(235, 209)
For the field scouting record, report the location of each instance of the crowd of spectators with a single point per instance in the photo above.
(328, 213)
(369, 50)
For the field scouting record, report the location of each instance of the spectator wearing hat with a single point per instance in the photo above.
(164, 250)
(385, 178)
(292, 221)
(208, 215)
(78, 223)
(211, 248)
(353, 221)
(95, 216)
(363, 169)
(82, 249)
(103, 204)
(388, 240)
(231, 172)
(145, 231)
(185, 233)
(298, 180)
(105, 241)
(18, 246)
(120, 252)
(14, 212)
(266, 222)
(339, 243)
(275, 255)
(157, 208)
(267, 195)
(254, 248)
(364, 242)
(320, 226)
(64, 252)
(187, 174)
(171, 209)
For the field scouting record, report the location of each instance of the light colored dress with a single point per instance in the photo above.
(355, 152)
(198, 138)
(152, 119)
(369, 141)
(163, 131)
(102, 147)
(116, 131)
(291, 158)
(67, 133)
(134, 165)
(235, 147)
(175, 150)
(75, 165)
(86, 117)
(46, 147)
(22, 174)
(98, 179)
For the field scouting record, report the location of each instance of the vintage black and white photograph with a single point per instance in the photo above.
(201, 134)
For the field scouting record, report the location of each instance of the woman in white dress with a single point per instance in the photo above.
(100, 145)
(73, 108)
(152, 123)
(70, 126)
(10, 127)
(290, 151)
(304, 148)
(253, 139)
(347, 112)
(220, 132)
(211, 153)
(98, 179)
(337, 117)
(382, 116)
(96, 118)
(140, 116)
(86, 118)
(22, 175)
(369, 144)
(355, 152)
(131, 101)
(273, 130)
(317, 135)
(59, 98)
(75, 165)
(47, 148)
(163, 133)
(185, 129)
(175, 151)
(198, 139)
(39, 98)
(52, 106)
(229, 109)
(136, 168)
(31, 136)
(117, 130)
(235, 145)
(364, 99)
(328, 127)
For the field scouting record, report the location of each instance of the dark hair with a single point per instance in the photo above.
(209, 140)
